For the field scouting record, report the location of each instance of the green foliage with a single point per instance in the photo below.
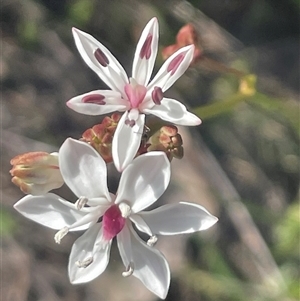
(8, 224)
(28, 33)
(287, 234)
(81, 11)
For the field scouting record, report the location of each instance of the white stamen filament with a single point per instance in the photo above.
(129, 271)
(60, 234)
(85, 263)
(152, 241)
(81, 202)
(125, 210)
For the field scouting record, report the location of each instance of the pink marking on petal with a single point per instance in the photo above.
(131, 122)
(146, 48)
(101, 57)
(135, 93)
(175, 63)
(94, 98)
(157, 95)
(113, 222)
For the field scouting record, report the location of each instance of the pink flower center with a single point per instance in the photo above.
(135, 93)
(113, 222)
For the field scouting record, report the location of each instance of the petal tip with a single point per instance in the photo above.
(75, 31)
(154, 20)
(215, 219)
(199, 121)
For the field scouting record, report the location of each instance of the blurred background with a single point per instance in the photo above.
(242, 163)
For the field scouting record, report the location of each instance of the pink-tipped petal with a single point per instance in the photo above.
(173, 111)
(126, 140)
(145, 53)
(173, 68)
(100, 60)
(178, 219)
(83, 169)
(148, 177)
(89, 256)
(98, 102)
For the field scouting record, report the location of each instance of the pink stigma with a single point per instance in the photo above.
(146, 48)
(94, 98)
(135, 93)
(113, 222)
(101, 57)
(175, 63)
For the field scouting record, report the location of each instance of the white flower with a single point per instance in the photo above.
(134, 96)
(141, 184)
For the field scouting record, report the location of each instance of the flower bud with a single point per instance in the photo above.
(187, 35)
(167, 140)
(36, 173)
(100, 136)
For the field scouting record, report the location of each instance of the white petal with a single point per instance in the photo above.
(149, 264)
(178, 218)
(100, 201)
(113, 102)
(126, 141)
(142, 67)
(89, 219)
(89, 246)
(83, 169)
(144, 181)
(140, 224)
(165, 78)
(113, 74)
(173, 111)
(124, 245)
(51, 211)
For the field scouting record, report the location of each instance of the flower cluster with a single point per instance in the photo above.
(144, 164)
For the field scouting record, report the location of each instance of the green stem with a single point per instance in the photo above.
(220, 107)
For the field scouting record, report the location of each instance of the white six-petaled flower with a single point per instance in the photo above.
(106, 216)
(134, 96)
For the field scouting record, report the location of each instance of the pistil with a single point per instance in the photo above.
(135, 93)
(113, 222)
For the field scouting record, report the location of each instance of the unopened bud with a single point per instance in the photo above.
(36, 173)
(100, 136)
(187, 35)
(168, 140)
